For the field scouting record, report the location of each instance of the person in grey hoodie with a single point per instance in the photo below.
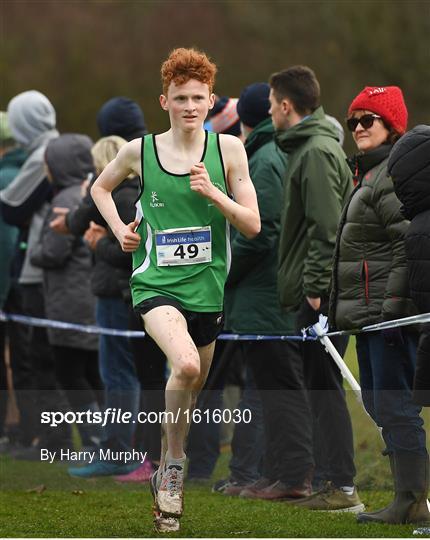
(32, 121)
(66, 261)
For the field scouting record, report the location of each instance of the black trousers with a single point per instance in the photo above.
(23, 374)
(422, 374)
(43, 388)
(333, 439)
(3, 379)
(78, 373)
(278, 373)
(203, 444)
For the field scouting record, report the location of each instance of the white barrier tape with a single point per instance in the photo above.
(308, 334)
(416, 319)
(91, 329)
(396, 323)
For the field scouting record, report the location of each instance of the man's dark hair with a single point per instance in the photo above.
(298, 84)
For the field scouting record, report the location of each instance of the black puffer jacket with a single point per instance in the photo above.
(113, 267)
(112, 270)
(409, 166)
(369, 280)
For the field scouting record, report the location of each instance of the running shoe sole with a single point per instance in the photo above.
(352, 509)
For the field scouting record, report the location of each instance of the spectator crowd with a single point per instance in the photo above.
(345, 238)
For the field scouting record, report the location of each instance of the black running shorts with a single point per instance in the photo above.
(203, 327)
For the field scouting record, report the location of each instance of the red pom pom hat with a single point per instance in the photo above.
(387, 101)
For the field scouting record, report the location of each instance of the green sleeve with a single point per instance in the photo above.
(323, 187)
(267, 171)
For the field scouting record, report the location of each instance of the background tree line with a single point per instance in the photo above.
(80, 53)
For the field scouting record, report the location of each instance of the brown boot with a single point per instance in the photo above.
(411, 484)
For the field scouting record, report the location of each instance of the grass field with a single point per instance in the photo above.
(41, 500)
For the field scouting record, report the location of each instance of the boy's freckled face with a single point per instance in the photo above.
(188, 104)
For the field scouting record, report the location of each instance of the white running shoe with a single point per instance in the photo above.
(170, 496)
(162, 524)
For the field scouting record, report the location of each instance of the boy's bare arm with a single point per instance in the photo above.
(125, 163)
(242, 212)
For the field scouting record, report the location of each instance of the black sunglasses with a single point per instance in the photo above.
(366, 121)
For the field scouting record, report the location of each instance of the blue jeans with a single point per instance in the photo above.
(117, 370)
(386, 375)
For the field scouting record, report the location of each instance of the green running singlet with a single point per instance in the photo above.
(184, 251)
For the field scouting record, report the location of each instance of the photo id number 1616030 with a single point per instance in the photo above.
(216, 416)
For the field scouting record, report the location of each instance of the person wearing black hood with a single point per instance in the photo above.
(409, 168)
(66, 262)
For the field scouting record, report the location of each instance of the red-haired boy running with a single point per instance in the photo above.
(194, 184)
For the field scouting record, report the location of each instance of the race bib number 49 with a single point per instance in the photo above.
(183, 246)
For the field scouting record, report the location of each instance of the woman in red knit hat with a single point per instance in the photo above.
(370, 285)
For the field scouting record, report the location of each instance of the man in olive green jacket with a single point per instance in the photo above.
(252, 307)
(317, 184)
